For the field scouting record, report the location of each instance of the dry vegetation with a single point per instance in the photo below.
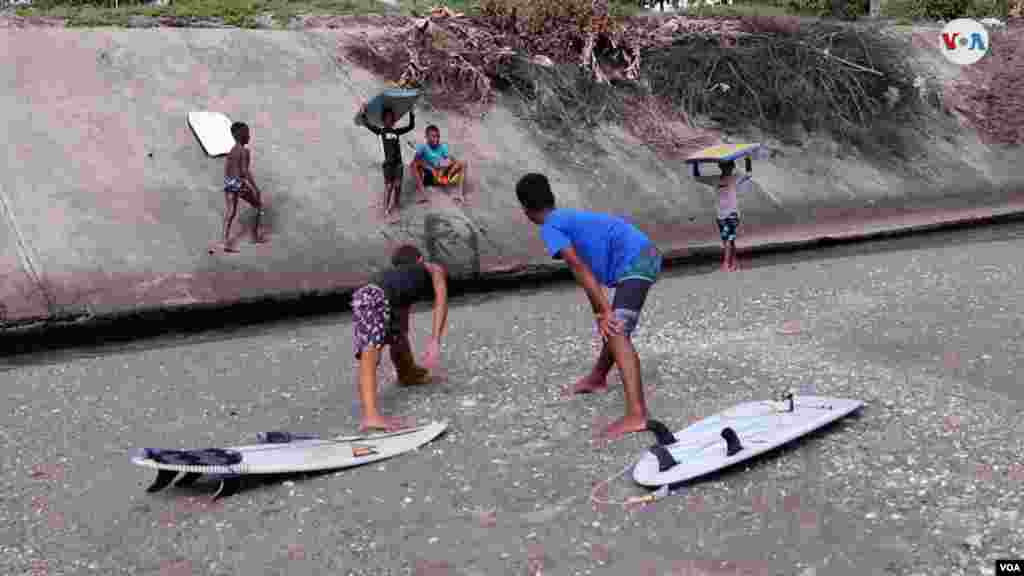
(771, 73)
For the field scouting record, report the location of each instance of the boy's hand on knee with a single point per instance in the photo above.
(608, 325)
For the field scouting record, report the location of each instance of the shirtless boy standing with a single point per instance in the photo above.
(238, 181)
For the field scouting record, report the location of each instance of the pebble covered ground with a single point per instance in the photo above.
(927, 479)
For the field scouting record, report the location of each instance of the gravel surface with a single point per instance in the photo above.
(926, 480)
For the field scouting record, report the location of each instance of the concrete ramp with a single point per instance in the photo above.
(118, 204)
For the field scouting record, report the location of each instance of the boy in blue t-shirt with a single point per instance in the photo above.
(434, 166)
(601, 250)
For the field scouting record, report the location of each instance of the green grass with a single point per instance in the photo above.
(246, 13)
(243, 13)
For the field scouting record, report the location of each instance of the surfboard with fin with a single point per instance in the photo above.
(735, 435)
(279, 452)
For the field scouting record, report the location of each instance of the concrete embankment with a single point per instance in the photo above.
(108, 204)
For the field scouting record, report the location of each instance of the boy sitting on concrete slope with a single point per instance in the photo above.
(600, 250)
(380, 317)
(433, 165)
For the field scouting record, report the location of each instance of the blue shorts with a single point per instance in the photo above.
(631, 288)
(727, 226)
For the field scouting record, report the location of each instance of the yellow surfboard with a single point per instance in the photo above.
(724, 152)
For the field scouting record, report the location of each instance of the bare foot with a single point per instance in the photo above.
(422, 198)
(589, 384)
(261, 239)
(385, 423)
(228, 247)
(624, 425)
(394, 218)
(415, 377)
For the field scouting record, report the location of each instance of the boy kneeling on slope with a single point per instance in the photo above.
(380, 312)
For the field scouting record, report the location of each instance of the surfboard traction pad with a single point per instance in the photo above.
(223, 462)
(664, 437)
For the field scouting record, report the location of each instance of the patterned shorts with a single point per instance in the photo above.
(646, 266)
(632, 287)
(232, 184)
(371, 316)
(727, 226)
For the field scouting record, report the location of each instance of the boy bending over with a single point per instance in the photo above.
(601, 250)
(380, 313)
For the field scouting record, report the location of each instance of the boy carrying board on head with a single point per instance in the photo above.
(380, 313)
(601, 249)
(728, 185)
(392, 166)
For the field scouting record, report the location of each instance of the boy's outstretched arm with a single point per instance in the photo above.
(598, 300)
(439, 277)
(366, 123)
(408, 128)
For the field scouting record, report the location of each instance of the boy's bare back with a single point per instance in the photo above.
(233, 163)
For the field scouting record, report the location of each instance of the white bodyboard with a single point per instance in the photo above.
(213, 130)
(701, 449)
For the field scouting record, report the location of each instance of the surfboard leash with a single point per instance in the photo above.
(658, 494)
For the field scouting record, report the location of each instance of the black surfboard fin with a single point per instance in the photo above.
(228, 487)
(661, 432)
(665, 459)
(188, 479)
(732, 441)
(163, 480)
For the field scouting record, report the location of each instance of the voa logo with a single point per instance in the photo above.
(964, 41)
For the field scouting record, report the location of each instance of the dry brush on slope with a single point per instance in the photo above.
(766, 73)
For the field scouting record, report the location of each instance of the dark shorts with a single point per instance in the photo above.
(632, 287)
(371, 319)
(392, 171)
(727, 226)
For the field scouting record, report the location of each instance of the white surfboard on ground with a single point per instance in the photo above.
(708, 445)
(213, 130)
(279, 454)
